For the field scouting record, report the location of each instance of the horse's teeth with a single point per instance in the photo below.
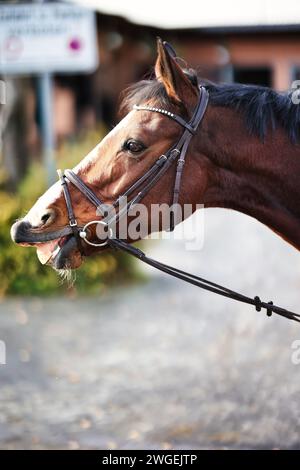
(57, 249)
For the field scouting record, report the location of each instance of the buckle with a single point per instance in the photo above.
(175, 152)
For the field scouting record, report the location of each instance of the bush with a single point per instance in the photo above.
(21, 272)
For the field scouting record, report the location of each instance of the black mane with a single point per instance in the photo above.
(263, 108)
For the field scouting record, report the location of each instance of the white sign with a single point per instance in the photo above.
(50, 37)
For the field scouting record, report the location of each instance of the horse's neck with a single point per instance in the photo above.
(259, 179)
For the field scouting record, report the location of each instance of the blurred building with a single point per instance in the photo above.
(264, 54)
(257, 43)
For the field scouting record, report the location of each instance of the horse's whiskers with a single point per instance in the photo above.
(67, 276)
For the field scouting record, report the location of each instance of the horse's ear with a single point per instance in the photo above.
(178, 86)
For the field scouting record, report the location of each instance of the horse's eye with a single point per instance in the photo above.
(133, 146)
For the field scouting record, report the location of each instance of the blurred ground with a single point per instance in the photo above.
(161, 365)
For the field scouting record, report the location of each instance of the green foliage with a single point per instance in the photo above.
(21, 272)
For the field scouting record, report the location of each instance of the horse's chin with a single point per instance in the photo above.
(60, 254)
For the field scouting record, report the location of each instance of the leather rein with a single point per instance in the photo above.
(141, 187)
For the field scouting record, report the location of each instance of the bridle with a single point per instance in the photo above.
(137, 191)
(143, 185)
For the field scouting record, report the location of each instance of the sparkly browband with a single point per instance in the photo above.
(173, 116)
(156, 110)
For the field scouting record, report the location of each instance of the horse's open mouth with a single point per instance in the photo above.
(48, 251)
(60, 253)
(57, 248)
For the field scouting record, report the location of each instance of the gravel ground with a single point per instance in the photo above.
(163, 364)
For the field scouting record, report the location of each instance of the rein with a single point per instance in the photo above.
(203, 283)
(142, 186)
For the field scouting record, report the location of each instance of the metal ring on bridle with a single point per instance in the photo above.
(83, 233)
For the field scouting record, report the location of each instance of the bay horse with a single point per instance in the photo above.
(243, 155)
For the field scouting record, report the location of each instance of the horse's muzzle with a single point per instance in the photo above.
(20, 232)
